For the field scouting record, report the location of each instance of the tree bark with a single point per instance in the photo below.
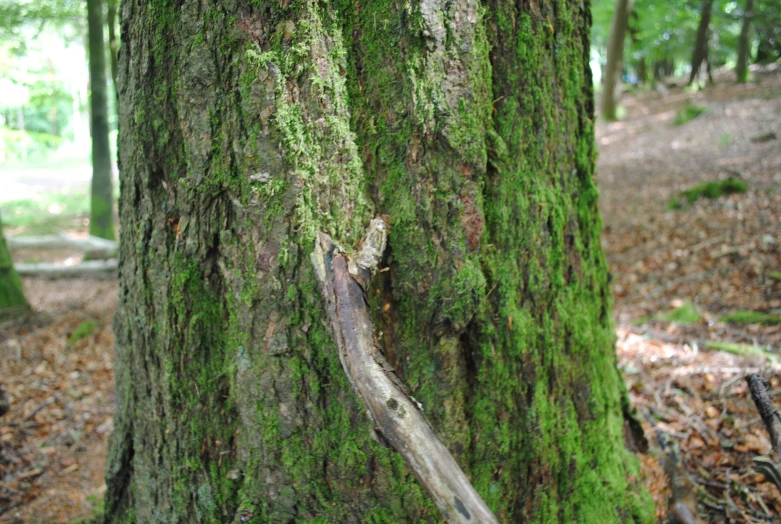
(700, 52)
(744, 43)
(244, 132)
(615, 56)
(102, 196)
(12, 300)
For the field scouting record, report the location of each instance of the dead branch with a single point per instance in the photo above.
(767, 410)
(392, 411)
(772, 419)
(88, 269)
(95, 247)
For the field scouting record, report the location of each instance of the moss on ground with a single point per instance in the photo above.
(688, 112)
(685, 314)
(752, 317)
(709, 190)
(83, 330)
(743, 350)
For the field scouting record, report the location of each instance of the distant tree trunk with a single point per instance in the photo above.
(744, 43)
(700, 52)
(245, 128)
(102, 205)
(12, 300)
(113, 45)
(642, 71)
(615, 55)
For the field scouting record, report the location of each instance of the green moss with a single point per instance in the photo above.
(639, 321)
(12, 300)
(685, 314)
(709, 190)
(82, 331)
(752, 317)
(688, 112)
(744, 350)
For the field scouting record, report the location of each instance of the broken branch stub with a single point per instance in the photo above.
(392, 411)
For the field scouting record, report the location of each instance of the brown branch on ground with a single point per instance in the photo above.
(391, 410)
(772, 419)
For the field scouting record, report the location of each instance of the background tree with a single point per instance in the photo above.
(113, 44)
(744, 43)
(102, 196)
(245, 130)
(615, 54)
(12, 300)
(700, 52)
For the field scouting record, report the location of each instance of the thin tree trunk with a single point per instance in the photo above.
(113, 45)
(642, 71)
(102, 199)
(700, 52)
(744, 43)
(12, 300)
(615, 55)
(244, 132)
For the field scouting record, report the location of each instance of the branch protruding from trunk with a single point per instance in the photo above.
(392, 411)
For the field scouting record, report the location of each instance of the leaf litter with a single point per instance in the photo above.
(696, 293)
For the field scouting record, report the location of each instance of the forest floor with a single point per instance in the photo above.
(676, 275)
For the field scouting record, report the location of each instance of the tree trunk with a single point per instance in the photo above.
(615, 55)
(12, 300)
(700, 52)
(245, 131)
(642, 71)
(744, 43)
(102, 201)
(113, 45)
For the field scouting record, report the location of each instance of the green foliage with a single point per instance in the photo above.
(709, 190)
(752, 317)
(46, 212)
(15, 15)
(21, 145)
(82, 331)
(664, 30)
(686, 314)
(688, 112)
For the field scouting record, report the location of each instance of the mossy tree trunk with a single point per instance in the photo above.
(246, 128)
(744, 43)
(102, 196)
(615, 57)
(700, 52)
(12, 300)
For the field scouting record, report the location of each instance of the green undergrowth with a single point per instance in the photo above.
(752, 317)
(743, 350)
(709, 190)
(688, 112)
(685, 314)
(82, 331)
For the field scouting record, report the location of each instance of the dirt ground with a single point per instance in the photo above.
(719, 255)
